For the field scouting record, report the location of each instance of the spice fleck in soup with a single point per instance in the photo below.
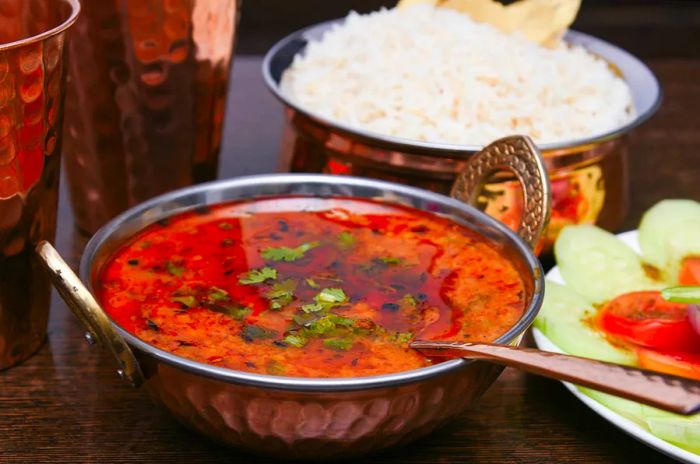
(310, 287)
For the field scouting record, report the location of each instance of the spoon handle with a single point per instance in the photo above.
(668, 392)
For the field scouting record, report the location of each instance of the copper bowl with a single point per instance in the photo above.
(314, 418)
(588, 176)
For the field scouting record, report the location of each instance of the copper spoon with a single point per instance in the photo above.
(668, 392)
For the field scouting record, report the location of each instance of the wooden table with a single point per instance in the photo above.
(67, 405)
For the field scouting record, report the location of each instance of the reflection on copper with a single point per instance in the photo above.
(589, 182)
(31, 95)
(146, 100)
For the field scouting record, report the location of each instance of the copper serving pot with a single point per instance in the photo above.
(316, 418)
(588, 176)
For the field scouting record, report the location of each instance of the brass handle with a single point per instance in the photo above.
(88, 311)
(519, 155)
(668, 392)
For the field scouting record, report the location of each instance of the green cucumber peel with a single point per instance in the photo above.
(682, 294)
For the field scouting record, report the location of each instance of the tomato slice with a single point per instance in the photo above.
(681, 364)
(690, 271)
(647, 320)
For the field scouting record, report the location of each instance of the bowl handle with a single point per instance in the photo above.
(88, 311)
(519, 155)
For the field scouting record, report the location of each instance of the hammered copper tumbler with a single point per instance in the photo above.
(146, 99)
(32, 64)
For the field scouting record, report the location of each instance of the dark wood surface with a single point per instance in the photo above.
(647, 28)
(67, 405)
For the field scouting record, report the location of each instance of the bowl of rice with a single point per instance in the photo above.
(409, 94)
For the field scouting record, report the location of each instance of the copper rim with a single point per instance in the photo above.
(68, 22)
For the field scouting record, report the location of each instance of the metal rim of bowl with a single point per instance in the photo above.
(300, 383)
(641, 81)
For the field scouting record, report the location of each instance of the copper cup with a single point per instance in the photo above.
(146, 100)
(32, 74)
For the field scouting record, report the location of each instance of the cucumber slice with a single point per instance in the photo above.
(563, 319)
(596, 264)
(629, 409)
(679, 430)
(669, 232)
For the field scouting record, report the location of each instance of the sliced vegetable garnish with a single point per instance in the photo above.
(690, 271)
(683, 294)
(288, 254)
(258, 276)
(681, 364)
(646, 319)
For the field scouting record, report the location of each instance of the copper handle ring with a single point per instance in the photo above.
(519, 155)
(84, 306)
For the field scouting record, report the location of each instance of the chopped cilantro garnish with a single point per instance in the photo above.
(297, 341)
(390, 260)
(286, 253)
(346, 239)
(274, 368)
(321, 326)
(312, 307)
(331, 295)
(409, 300)
(342, 321)
(325, 299)
(188, 301)
(257, 276)
(237, 312)
(327, 323)
(174, 269)
(254, 332)
(403, 337)
(302, 319)
(218, 294)
(312, 283)
(281, 293)
(338, 343)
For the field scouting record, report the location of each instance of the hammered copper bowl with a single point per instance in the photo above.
(588, 176)
(313, 418)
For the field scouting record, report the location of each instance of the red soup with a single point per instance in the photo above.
(310, 287)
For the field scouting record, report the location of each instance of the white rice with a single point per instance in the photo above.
(435, 75)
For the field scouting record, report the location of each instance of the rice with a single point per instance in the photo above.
(433, 74)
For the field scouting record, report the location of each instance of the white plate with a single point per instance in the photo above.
(624, 424)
